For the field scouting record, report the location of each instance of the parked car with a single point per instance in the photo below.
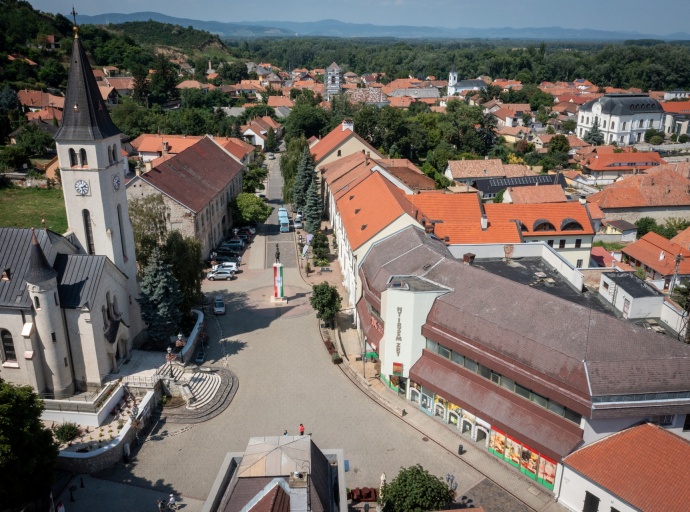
(245, 237)
(218, 305)
(232, 265)
(227, 254)
(298, 223)
(251, 229)
(271, 156)
(232, 245)
(220, 274)
(200, 357)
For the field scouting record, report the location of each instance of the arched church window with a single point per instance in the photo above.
(122, 231)
(37, 303)
(109, 304)
(82, 158)
(114, 151)
(72, 158)
(110, 155)
(105, 318)
(116, 308)
(88, 231)
(8, 351)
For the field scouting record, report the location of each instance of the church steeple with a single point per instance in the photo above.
(85, 116)
(39, 270)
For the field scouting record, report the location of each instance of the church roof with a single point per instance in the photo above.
(85, 116)
(79, 276)
(39, 270)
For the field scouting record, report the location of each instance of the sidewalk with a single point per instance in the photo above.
(526, 490)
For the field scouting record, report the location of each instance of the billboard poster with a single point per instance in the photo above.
(513, 451)
(394, 382)
(529, 461)
(427, 403)
(440, 406)
(497, 443)
(547, 472)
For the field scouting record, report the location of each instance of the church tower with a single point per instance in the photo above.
(452, 82)
(42, 286)
(92, 170)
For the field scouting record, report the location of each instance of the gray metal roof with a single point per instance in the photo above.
(15, 255)
(470, 84)
(79, 276)
(632, 284)
(625, 104)
(39, 270)
(85, 116)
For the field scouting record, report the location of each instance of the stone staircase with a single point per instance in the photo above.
(204, 386)
(213, 391)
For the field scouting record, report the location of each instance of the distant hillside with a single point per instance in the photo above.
(227, 30)
(335, 28)
(166, 34)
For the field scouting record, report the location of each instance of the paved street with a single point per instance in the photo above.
(285, 378)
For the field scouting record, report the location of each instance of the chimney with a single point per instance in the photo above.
(583, 201)
(468, 258)
(429, 228)
(348, 124)
(485, 223)
(668, 188)
(366, 159)
(165, 148)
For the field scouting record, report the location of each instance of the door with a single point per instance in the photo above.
(591, 503)
(626, 308)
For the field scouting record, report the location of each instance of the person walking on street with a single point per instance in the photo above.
(171, 503)
(285, 433)
(301, 429)
(161, 505)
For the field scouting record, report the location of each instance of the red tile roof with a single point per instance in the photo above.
(537, 194)
(153, 143)
(662, 186)
(466, 169)
(280, 101)
(646, 466)
(196, 175)
(335, 138)
(624, 161)
(369, 207)
(676, 107)
(659, 254)
(682, 238)
(532, 215)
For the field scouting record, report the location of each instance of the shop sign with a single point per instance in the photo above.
(497, 443)
(376, 324)
(513, 451)
(529, 462)
(398, 333)
(547, 472)
(397, 368)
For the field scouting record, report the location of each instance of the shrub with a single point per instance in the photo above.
(67, 432)
(336, 358)
(656, 140)
(321, 262)
(683, 138)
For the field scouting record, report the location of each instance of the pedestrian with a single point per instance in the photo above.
(161, 505)
(239, 261)
(285, 433)
(171, 503)
(60, 507)
(301, 429)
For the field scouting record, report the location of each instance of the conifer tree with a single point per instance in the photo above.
(303, 180)
(313, 209)
(594, 136)
(271, 140)
(160, 299)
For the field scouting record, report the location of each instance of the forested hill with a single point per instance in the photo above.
(156, 34)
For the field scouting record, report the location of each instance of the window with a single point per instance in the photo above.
(82, 157)
(431, 346)
(550, 243)
(443, 352)
(88, 231)
(539, 400)
(604, 124)
(624, 128)
(579, 263)
(606, 285)
(561, 244)
(507, 383)
(686, 424)
(56, 299)
(591, 503)
(613, 125)
(340, 152)
(641, 125)
(110, 155)
(66, 365)
(523, 392)
(572, 416)
(105, 317)
(8, 351)
(471, 365)
(72, 158)
(556, 408)
(664, 421)
(483, 371)
(457, 358)
(495, 378)
(578, 243)
(52, 337)
(114, 152)
(37, 303)
(122, 231)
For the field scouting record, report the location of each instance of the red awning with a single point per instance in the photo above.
(373, 329)
(489, 404)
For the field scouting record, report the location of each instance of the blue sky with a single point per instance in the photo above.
(659, 17)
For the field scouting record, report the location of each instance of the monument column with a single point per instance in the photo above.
(278, 290)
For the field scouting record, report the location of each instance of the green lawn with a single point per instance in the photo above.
(25, 207)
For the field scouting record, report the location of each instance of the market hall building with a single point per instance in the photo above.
(529, 375)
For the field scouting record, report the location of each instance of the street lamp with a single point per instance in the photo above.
(170, 358)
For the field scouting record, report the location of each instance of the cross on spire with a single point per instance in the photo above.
(74, 16)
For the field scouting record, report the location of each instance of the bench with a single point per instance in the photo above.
(326, 269)
(187, 392)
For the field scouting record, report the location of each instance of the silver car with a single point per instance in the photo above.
(220, 274)
(218, 305)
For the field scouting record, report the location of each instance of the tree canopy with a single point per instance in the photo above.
(326, 300)
(160, 299)
(248, 208)
(28, 452)
(414, 489)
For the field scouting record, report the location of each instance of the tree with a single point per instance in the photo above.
(140, 91)
(149, 216)
(569, 126)
(594, 136)
(326, 300)
(681, 293)
(248, 208)
(559, 144)
(234, 71)
(28, 452)
(183, 254)
(414, 489)
(305, 119)
(160, 299)
(271, 140)
(313, 209)
(163, 81)
(34, 141)
(303, 180)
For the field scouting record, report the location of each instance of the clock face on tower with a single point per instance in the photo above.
(81, 187)
(116, 182)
